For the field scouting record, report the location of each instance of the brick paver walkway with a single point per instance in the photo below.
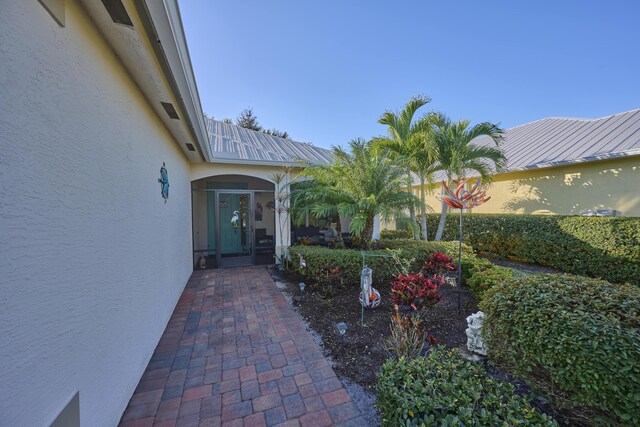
(236, 354)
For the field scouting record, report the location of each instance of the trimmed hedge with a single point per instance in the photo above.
(395, 234)
(443, 389)
(575, 338)
(350, 261)
(484, 275)
(602, 247)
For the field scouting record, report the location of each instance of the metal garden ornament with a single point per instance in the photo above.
(164, 182)
(369, 296)
(461, 198)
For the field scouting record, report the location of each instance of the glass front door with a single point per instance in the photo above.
(235, 228)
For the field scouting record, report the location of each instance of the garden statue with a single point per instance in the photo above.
(369, 296)
(474, 334)
(462, 199)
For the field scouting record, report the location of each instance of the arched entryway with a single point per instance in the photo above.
(234, 221)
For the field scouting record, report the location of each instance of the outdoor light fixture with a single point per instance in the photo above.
(342, 328)
(301, 285)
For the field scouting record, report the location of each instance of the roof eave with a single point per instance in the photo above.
(167, 26)
(589, 159)
(276, 163)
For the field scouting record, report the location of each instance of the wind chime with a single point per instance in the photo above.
(369, 296)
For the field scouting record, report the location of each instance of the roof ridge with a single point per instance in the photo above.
(266, 134)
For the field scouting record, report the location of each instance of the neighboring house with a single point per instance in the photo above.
(100, 117)
(566, 166)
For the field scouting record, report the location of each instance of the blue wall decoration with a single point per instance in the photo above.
(164, 182)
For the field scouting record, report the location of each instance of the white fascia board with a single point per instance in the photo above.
(589, 159)
(167, 23)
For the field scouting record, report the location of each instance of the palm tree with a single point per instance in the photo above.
(306, 194)
(405, 137)
(457, 155)
(365, 184)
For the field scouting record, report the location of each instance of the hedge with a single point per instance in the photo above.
(601, 247)
(350, 260)
(483, 275)
(443, 389)
(574, 338)
(395, 234)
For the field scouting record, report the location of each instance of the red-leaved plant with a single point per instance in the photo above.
(439, 263)
(416, 290)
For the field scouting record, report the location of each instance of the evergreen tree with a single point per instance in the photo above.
(276, 132)
(248, 120)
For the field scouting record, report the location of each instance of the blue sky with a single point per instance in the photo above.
(325, 70)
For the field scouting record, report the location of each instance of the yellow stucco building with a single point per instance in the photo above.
(567, 166)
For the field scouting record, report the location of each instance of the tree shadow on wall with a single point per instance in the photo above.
(570, 193)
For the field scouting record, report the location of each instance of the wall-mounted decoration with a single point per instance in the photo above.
(271, 204)
(235, 219)
(258, 214)
(164, 182)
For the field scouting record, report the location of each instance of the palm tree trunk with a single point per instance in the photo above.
(339, 240)
(443, 218)
(367, 233)
(412, 210)
(423, 207)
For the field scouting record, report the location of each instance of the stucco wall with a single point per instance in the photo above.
(92, 260)
(568, 190)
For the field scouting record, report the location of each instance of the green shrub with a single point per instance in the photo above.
(443, 389)
(604, 247)
(484, 277)
(573, 338)
(395, 234)
(350, 261)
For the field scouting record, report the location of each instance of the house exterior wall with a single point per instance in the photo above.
(92, 259)
(568, 190)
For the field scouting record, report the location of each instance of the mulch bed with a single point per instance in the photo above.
(361, 353)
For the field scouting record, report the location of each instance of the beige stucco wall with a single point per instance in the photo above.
(568, 190)
(92, 259)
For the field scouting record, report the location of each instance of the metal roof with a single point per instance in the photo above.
(234, 144)
(557, 141)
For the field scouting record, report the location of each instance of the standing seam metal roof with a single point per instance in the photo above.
(231, 143)
(556, 141)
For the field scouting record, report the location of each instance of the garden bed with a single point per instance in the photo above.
(362, 352)
(359, 357)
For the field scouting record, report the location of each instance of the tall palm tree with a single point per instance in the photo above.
(458, 156)
(365, 184)
(404, 137)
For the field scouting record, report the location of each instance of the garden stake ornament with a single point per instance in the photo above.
(462, 198)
